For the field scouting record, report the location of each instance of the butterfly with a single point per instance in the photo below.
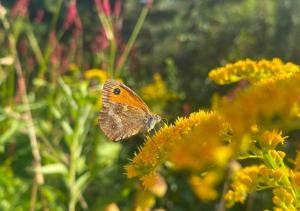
(124, 113)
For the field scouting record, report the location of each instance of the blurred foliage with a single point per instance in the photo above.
(200, 35)
(54, 59)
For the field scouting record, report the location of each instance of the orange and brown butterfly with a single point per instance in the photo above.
(124, 113)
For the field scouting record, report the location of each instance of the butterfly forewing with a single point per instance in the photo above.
(116, 92)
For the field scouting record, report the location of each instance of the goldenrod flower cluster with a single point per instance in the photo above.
(205, 186)
(246, 180)
(157, 90)
(192, 142)
(145, 199)
(260, 177)
(252, 124)
(157, 94)
(278, 96)
(102, 75)
(270, 139)
(251, 70)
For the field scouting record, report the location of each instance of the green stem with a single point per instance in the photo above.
(269, 159)
(72, 176)
(11, 80)
(132, 39)
(109, 33)
(285, 180)
(112, 57)
(49, 46)
(36, 49)
(78, 136)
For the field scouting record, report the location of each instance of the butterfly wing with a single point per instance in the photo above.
(126, 96)
(124, 113)
(119, 122)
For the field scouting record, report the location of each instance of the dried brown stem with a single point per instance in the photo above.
(83, 203)
(38, 178)
(33, 195)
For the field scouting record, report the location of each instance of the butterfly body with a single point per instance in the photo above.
(124, 113)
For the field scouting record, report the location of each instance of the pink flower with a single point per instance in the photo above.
(103, 6)
(106, 7)
(20, 8)
(72, 17)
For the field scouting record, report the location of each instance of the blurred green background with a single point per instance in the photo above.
(50, 102)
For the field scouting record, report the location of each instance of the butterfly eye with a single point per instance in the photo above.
(117, 91)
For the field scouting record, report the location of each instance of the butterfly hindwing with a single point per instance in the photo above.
(119, 122)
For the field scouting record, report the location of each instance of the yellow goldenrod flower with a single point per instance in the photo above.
(102, 75)
(270, 139)
(222, 154)
(149, 180)
(254, 178)
(157, 94)
(296, 179)
(131, 171)
(204, 186)
(261, 102)
(251, 70)
(277, 155)
(283, 198)
(156, 90)
(202, 145)
(238, 195)
(279, 173)
(245, 181)
(182, 144)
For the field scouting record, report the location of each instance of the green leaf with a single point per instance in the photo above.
(67, 128)
(68, 94)
(56, 168)
(10, 132)
(80, 185)
(52, 5)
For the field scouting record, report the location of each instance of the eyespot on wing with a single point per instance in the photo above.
(117, 92)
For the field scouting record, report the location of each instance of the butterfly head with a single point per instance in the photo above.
(152, 120)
